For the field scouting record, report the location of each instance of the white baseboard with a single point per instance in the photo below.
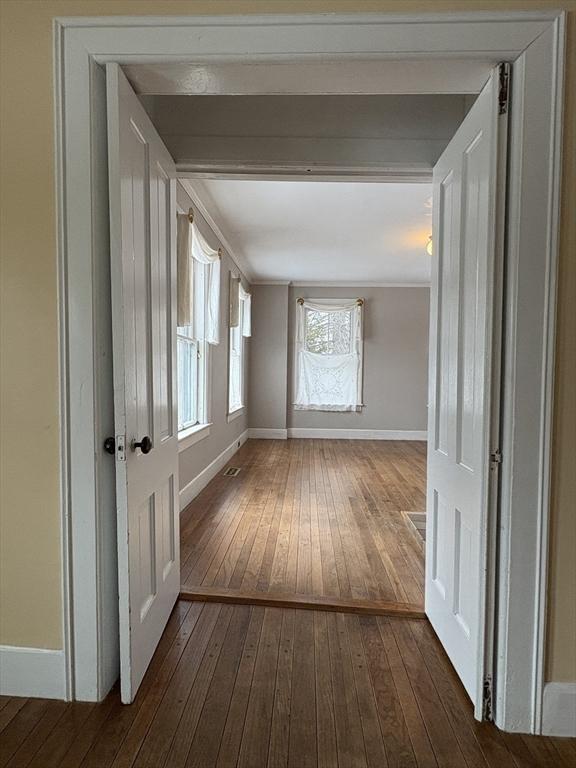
(34, 672)
(190, 491)
(267, 434)
(559, 709)
(359, 434)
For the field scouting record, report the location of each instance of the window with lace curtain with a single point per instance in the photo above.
(328, 355)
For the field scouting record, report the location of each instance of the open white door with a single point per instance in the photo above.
(143, 256)
(464, 351)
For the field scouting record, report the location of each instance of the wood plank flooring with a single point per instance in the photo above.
(258, 687)
(319, 518)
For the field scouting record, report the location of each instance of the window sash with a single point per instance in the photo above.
(188, 370)
(236, 364)
(193, 358)
(328, 333)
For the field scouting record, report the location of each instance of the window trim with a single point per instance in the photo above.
(236, 413)
(192, 435)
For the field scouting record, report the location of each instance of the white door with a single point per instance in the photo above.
(143, 254)
(464, 327)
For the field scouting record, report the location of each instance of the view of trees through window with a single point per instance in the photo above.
(328, 333)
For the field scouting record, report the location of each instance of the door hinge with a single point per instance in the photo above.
(487, 713)
(503, 87)
(496, 457)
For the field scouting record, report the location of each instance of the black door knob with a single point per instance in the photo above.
(145, 445)
(110, 445)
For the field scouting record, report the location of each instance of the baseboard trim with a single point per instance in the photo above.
(33, 672)
(267, 434)
(193, 488)
(559, 709)
(301, 602)
(358, 434)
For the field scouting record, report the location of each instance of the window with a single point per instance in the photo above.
(236, 360)
(192, 357)
(240, 327)
(188, 369)
(328, 349)
(198, 327)
(328, 333)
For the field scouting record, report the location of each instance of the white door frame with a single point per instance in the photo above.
(534, 41)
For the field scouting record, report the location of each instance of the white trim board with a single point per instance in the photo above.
(34, 672)
(559, 709)
(193, 488)
(358, 434)
(258, 433)
(534, 42)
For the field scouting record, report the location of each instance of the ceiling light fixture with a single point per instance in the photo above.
(429, 246)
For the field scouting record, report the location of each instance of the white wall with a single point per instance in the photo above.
(395, 360)
(223, 434)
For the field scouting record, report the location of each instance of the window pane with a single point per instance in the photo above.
(187, 381)
(328, 333)
(236, 352)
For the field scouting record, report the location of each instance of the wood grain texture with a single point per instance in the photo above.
(269, 687)
(316, 519)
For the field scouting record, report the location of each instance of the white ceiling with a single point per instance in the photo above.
(322, 232)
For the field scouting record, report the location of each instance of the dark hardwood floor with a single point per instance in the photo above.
(255, 687)
(316, 518)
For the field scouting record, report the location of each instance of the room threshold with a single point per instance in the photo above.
(306, 602)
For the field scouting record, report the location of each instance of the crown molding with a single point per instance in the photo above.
(338, 284)
(347, 284)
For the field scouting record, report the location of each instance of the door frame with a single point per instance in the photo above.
(534, 42)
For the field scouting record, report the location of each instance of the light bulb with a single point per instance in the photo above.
(429, 246)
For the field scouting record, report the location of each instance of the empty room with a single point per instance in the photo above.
(299, 493)
(310, 514)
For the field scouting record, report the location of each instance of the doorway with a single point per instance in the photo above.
(547, 250)
(328, 360)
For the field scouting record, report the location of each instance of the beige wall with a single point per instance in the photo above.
(30, 556)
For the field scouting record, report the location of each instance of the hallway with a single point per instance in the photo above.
(314, 518)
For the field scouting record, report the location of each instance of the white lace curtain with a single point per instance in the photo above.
(194, 249)
(328, 351)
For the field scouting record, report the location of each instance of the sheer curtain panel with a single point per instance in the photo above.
(328, 351)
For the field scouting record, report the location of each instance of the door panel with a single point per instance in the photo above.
(143, 245)
(467, 180)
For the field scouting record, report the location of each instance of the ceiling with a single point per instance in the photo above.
(324, 232)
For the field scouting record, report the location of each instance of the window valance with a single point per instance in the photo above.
(193, 249)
